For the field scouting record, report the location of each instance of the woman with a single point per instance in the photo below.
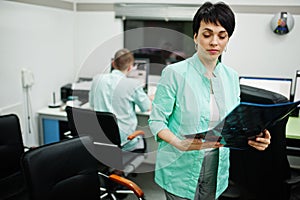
(118, 94)
(191, 97)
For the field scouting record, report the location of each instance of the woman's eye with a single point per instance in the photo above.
(222, 36)
(206, 35)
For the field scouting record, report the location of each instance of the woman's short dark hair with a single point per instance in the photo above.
(215, 13)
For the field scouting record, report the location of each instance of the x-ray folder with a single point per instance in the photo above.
(245, 122)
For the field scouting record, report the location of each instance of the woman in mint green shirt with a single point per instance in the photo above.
(193, 95)
(118, 94)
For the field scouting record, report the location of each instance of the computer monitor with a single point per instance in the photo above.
(140, 71)
(281, 86)
(297, 86)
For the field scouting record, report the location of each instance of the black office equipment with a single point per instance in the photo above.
(296, 93)
(65, 92)
(76, 91)
(297, 86)
(12, 186)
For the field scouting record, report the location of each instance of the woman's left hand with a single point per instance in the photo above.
(262, 141)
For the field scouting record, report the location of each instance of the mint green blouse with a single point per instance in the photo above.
(118, 94)
(182, 105)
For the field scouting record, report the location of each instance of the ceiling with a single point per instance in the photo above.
(167, 9)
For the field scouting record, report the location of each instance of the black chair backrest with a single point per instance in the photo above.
(263, 172)
(11, 145)
(63, 170)
(101, 126)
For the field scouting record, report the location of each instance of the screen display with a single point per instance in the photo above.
(279, 85)
(140, 71)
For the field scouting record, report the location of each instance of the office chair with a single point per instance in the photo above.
(62, 170)
(102, 127)
(261, 174)
(12, 184)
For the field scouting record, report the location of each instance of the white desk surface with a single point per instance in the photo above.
(52, 111)
(59, 112)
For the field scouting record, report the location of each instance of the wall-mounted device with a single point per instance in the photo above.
(27, 78)
(282, 23)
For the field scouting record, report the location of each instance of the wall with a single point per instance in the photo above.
(41, 40)
(98, 35)
(255, 50)
(54, 44)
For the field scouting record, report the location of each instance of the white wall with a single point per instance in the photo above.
(41, 40)
(256, 51)
(98, 35)
(54, 44)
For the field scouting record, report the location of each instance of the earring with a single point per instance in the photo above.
(196, 46)
(225, 48)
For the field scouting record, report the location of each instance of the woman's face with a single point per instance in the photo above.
(211, 40)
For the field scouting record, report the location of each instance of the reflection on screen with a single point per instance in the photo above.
(279, 85)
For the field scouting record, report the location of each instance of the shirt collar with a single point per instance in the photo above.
(117, 72)
(197, 64)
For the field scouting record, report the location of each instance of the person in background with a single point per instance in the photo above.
(118, 94)
(191, 96)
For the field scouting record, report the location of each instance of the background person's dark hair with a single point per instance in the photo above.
(215, 13)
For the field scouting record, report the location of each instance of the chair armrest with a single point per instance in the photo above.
(293, 180)
(127, 183)
(135, 134)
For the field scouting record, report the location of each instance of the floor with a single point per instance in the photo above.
(145, 180)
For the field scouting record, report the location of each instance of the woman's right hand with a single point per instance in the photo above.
(196, 144)
(187, 144)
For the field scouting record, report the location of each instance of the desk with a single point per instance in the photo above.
(49, 124)
(293, 128)
(53, 123)
(293, 141)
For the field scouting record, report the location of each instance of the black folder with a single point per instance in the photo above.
(246, 121)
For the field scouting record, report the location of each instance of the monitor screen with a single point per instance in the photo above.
(281, 86)
(140, 71)
(297, 86)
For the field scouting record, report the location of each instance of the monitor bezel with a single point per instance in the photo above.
(271, 79)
